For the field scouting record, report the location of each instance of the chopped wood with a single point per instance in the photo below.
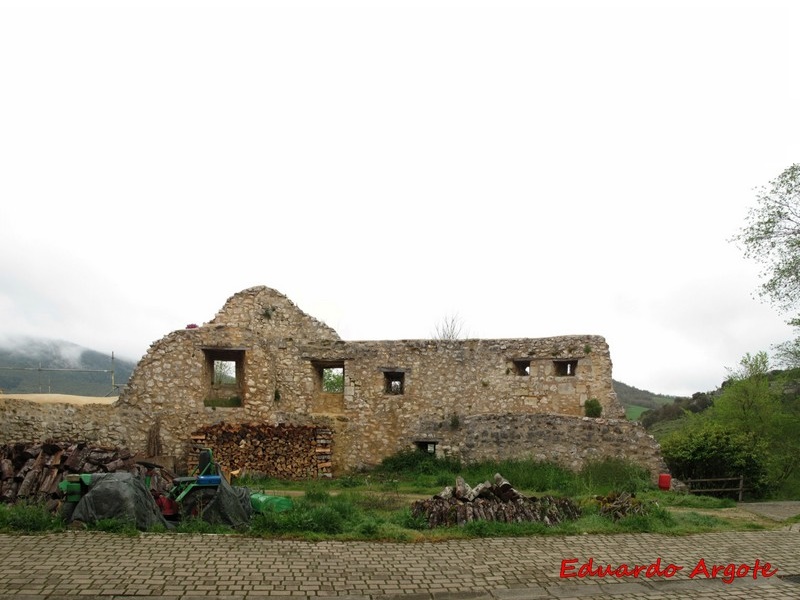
(282, 451)
(33, 471)
(461, 504)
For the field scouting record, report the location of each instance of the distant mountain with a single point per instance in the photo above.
(21, 359)
(31, 365)
(635, 401)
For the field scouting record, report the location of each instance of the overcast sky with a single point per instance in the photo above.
(538, 168)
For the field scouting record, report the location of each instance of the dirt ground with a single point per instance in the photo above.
(59, 398)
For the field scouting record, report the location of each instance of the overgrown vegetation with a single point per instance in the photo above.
(748, 428)
(592, 408)
(375, 505)
(23, 517)
(333, 380)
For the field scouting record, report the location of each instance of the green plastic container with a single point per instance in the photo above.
(264, 503)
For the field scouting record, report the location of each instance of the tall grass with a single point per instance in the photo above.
(26, 517)
(598, 477)
(376, 505)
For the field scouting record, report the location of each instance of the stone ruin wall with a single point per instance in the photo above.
(443, 381)
(476, 384)
(569, 441)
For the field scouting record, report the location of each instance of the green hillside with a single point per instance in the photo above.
(636, 401)
(36, 365)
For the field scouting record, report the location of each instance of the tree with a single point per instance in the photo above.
(747, 403)
(752, 403)
(707, 449)
(772, 237)
(224, 372)
(787, 354)
(333, 380)
(449, 328)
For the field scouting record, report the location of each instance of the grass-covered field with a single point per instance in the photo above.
(632, 413)
(376, 505)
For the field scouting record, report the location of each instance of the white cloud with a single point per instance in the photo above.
(539, 169)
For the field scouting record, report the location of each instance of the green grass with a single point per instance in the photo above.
(688, 500)
(633, 412)
(376, 505)
(117, 526)
(28, 518)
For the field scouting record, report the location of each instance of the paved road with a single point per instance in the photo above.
(188, 567)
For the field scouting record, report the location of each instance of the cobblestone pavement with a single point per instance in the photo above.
(93, 565)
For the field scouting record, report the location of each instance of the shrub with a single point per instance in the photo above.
(714, 451)
(593, 408)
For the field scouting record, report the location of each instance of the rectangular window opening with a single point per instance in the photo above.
(394, 382)
(425, 446)
(331, 377)
(565, 368)
(225, 372)
(522, 367)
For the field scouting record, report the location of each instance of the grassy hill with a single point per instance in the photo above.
(36, 365)
(637, 401)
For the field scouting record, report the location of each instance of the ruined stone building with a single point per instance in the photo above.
(263, 361)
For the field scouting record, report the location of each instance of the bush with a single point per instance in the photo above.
(593, 408)
(713, 451)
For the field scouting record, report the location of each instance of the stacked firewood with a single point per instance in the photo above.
(497, 501)
(32, 471)
(281, 451)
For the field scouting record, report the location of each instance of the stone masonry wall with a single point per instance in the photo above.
(25, 421)
(568, 441)
(452, 379)
(395, 392)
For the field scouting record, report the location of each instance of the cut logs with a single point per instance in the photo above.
(497, 501)
(281, 451)
(32, 471)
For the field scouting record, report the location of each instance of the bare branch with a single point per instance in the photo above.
(451, 327)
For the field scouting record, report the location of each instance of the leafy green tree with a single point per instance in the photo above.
(788, 353)
(333, 380)
(708, 449)
(752, 403)
(771, 237)
(746, 402)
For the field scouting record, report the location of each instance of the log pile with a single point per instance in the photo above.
(281, 451)
(497, 501)
(32, 471)
(616, 506)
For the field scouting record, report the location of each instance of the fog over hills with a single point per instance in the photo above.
(21, 357)
(42, 365)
